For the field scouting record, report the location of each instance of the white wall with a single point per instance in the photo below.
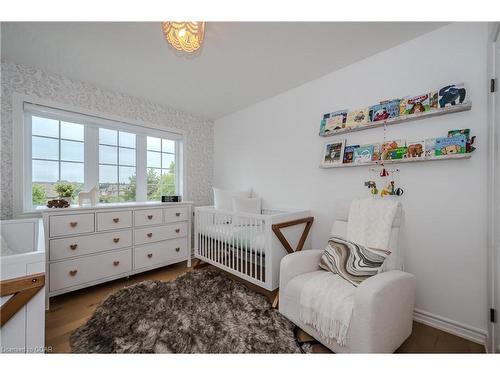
(274, 148)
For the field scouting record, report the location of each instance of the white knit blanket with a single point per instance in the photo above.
(370, 222)
(326, 303)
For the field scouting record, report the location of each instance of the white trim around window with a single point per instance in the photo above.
(23, 104)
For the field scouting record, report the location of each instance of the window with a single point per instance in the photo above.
(57, 155)
(117, 172)
(161, 167)
(127, 162)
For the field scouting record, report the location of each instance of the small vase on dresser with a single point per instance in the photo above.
(91, 245)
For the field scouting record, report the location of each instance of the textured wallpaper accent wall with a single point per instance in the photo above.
(25, 80)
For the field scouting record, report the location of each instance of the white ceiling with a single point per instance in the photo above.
(240, 63)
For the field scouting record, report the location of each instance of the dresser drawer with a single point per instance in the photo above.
(175, 214)
(161, 233)
(148, 217)
(67, 225)
(83, 245)
(160, 252)
(114, 220)
(69, 273)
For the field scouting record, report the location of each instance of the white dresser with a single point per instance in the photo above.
(90, 245)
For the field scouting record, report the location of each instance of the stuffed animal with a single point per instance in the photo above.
(88, 196)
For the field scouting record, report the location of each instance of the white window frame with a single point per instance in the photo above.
(25, 106)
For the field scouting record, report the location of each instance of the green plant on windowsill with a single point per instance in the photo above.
(65, 190)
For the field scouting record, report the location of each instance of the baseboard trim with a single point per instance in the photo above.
(451, 326)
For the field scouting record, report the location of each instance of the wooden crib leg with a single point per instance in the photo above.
(275, 298)
(198, 263)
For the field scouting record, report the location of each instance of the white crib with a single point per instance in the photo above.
(245, 244)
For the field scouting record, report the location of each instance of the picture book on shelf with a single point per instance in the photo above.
(333, 121)
(451, 145)
(376, 152)
(357, 117)
(389, 146)
(333, 152)
(385, 110)
(430, 147)
(349, 153)
(416, 104)
(363, 154)
(416, 149)
(397, 153)
(433, 100)
(452, 95)
(465, 132)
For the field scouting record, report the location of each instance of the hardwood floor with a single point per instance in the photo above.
(69, 311)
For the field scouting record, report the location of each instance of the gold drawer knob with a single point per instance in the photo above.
(73, 272)
(116, 262)
(73, 247)
(150, 255)
(73, 224)
(115, 240)
(177, 249)
(116, 220)
(150, 217)
(149, 235)
(177, 230)
(177, 214)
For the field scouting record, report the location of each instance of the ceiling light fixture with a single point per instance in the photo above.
(184, 36)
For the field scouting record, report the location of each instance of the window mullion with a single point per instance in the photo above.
(91, 157)
(141, 169)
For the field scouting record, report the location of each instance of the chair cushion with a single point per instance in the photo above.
(351, 261)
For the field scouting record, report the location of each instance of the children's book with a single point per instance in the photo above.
(389, 146)
(451, 145)
(397, 153)
(452, 95)
(333, 121)
(333, 152)
(357, 117)
(349, 153)
(376, 152)
(433, 100)
(430, 147)
(363, 154)
(384, 110)
(416, 149)
(415, 104)
(465, 132)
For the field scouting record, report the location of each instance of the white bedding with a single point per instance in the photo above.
(246, 237)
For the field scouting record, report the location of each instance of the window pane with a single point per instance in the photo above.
(127, 139)
(153, 193)
(72, 151)
(154, 159)
(126, 174)
(168, 146)
(72, 172)
(108, 137)
(44, 148)
(44, 126)
(40, 193)
(168, 161)
(108, 155)
(127, 193)
(154, 176)
(45, 171)
(154, 144)
(127, 156)
(72, 131)
(108, 193)
(108, 174)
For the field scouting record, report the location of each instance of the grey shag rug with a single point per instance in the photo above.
(202, 311)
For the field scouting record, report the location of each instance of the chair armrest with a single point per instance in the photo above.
(383, 311)
(298, 263)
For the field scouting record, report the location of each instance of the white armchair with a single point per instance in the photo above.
(383, 305)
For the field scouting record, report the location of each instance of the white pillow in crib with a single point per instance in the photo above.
(223, 199)
(5, 247)
(248, 206)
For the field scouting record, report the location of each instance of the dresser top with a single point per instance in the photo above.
(113, 206)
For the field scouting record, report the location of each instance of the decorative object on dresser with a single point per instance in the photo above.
(242, 321)
(88, 246)
(171, 198)
(90, 196)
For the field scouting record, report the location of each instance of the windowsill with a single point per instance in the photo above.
(40, 209)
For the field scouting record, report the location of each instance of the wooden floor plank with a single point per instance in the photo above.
(69, 311)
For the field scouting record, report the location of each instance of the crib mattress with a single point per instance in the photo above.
(250, 238)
